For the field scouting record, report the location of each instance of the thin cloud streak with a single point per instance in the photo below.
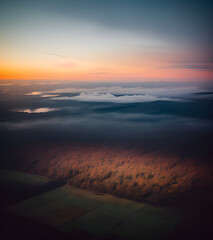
(69, 57)
(37, 110)
(205, 67)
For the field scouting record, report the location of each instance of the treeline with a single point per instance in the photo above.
(154, 177)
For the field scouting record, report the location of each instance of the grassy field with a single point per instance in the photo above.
(21, 177)
(68, 209)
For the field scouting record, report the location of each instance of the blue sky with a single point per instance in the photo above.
(93, 40)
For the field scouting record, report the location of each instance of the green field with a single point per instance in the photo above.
(20, 177)
(67, 208)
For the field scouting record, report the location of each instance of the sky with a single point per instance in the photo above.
(113, 40)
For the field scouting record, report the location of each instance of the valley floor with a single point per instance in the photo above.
(37, 207)
(74, 212)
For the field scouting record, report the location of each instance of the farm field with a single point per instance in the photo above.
(67, 209)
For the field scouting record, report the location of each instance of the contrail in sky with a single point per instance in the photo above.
(63, 56)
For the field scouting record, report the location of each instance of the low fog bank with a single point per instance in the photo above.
(149, 142)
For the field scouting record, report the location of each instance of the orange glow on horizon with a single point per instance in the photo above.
(72, 70)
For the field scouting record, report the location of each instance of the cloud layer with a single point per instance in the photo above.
(108, 97)
(153, 91)
(36, 110)
(119, 94)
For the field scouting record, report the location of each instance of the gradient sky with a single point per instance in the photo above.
(113, 40)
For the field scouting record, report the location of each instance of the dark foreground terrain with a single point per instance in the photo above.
(150, 143)
(36, 207)
(152, 176)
